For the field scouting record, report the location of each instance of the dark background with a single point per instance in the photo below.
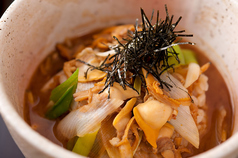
(3, 5)
(8, 148)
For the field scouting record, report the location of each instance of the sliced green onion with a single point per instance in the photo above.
(172, 60)
(189, 56)
(137, 84)
(84, 144)
(62, 105)
(62, 96)
(60, 90)
(71, 143)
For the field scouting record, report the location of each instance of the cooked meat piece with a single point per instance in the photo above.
(164, 143)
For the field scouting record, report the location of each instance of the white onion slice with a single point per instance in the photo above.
(80, 123)
(84, 86)
(186, 126)
(178, 91)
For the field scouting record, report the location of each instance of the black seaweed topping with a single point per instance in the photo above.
(149, 47)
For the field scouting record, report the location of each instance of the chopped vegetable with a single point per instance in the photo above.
(178, 91)
(189, 56)
(60, 90)
(62, 105)
(107, 132)
(137, 84)
(81, 123)
(185, 125)
(71, 143)
(62, 97)
(84, 144)
(173, 60)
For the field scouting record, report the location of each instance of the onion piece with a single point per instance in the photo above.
(81, 123)
(137, 84)
(84, 86)
(185, 125)
(177, 91)
(154, 89)
(189, 56)
(84, 144)
(107, 132)
(98, 149)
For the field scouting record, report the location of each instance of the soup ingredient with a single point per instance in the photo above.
(123, 117)
(192, 74)
(84, 144)
(89, 55)
(180, 60)
(151, 116)
(137, 84)
(79, 123)
(62, 96)
(60, 90)
(189, 56)
(185, 125)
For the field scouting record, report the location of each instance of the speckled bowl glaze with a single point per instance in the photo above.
(30, 29)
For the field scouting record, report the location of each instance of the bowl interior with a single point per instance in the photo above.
(30, 29)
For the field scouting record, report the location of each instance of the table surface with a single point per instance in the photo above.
(8, 148)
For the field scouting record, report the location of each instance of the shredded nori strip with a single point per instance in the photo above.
(148, 48)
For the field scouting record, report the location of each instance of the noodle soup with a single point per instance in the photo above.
(163, 113)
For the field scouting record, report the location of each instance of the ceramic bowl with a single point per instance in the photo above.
(30, 29)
